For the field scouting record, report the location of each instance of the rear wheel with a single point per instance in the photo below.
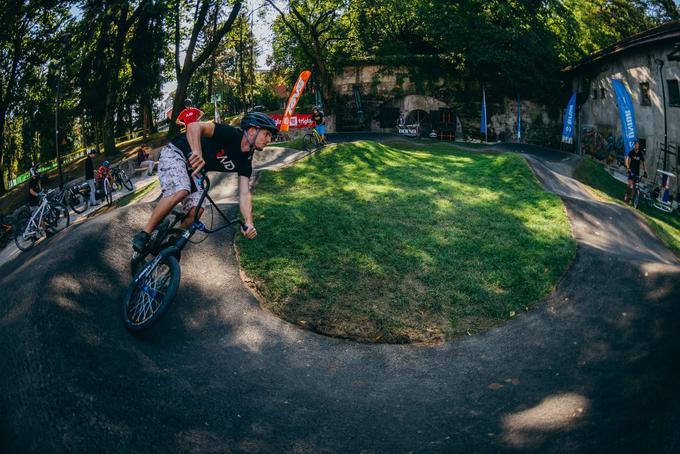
(148, 299)
(309, 142)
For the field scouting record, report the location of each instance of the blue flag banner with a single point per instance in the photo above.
(569, 118)
(482, 127)
(627, 115)
(519, 120)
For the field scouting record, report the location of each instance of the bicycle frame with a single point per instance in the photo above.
(196, 225)
(33, 226)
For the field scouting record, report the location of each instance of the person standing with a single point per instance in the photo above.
(634, 161)
(189, 114)
(89, 175)
(317, 116)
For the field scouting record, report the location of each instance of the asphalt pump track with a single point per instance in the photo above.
(591, 369)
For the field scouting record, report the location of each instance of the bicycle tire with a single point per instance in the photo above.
(308, 142)
(108, 193)
(59, 217)
(142, 306)
(126, 181)
(24, 244)
(118, 183)
(77, 202)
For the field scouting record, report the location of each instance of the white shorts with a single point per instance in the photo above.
(174, 176)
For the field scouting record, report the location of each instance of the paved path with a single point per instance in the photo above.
(592, 369)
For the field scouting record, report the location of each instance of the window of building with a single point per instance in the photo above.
(602, 92)
(673, 92)
(645, 99)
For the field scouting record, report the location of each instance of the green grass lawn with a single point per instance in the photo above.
(382, 244)
(606, 187)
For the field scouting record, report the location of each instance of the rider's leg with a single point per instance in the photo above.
(165, 206)
(190, 217)
(629, 189)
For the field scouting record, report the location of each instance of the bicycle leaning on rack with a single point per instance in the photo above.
(50, 217)
(121, 179)
(155, 282)
(71, 197)
(312, 140)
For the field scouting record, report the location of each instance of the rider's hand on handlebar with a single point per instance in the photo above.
(197, 163)
(250, 232)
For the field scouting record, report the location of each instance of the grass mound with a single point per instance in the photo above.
(381, 244)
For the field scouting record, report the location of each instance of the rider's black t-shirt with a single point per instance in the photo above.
(318, 117)
(34, 200)
(221, 152)
(635, 160)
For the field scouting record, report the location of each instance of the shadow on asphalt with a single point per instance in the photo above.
(590, 369)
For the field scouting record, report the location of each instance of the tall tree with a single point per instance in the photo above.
(191, 63)
(26, 41)
(314, 24)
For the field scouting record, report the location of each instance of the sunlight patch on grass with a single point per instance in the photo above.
(380, 244)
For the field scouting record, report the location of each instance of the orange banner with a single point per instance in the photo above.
(294, 98)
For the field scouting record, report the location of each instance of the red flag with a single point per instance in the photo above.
(294, 98)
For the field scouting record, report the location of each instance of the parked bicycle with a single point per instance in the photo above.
(312, 140)
(121, 179)
(6, 231)
(155, 282)
(71, 197)
(50, 217)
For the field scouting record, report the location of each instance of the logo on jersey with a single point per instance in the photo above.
(226, 162)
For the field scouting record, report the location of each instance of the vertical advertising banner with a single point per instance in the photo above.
(482, 126)
(569, 118)
(294, 98)
(519, 119)
(627, 115)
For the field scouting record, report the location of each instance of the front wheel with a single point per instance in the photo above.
(125, 180)
(309, 142)
(24, 237)
(58, 217)
(77, 201)
(636, 199)
(147, 299)
(108, 193)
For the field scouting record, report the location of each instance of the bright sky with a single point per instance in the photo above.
(262, 29)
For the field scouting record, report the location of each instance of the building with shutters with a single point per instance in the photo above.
(648, 64)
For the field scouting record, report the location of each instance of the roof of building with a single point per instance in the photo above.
(665, 32)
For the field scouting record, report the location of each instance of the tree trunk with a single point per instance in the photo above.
(3, 116)
(178, 103)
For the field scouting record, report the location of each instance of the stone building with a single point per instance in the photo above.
(648, 64)
(433, 102)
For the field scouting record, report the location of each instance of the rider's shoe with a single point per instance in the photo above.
(139, 241)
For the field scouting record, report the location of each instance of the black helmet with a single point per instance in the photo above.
(260, 121)
(187, 102)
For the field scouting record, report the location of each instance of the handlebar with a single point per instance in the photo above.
(204, 183)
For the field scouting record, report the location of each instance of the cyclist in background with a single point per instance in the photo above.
(104, 171)
(633, 161)
(215, 147)
(34, 189)
(318, 117)
(189, 114)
